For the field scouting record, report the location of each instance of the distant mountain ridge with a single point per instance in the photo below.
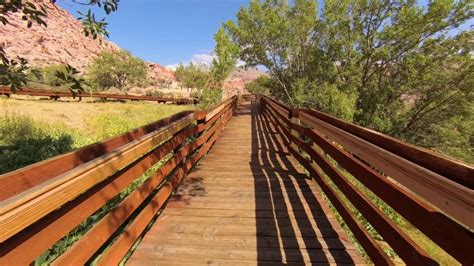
(235, 83)
(63, 42)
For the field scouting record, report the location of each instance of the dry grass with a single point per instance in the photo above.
(78, 115)
(32, 130)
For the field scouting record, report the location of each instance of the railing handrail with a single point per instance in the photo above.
(455, 199)
(376, 165)
(38, 92)
(19, 180)
(24, 209)
(38, 216)
(455, 170)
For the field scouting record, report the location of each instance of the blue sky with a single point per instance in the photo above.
(171, 31)
(167, 31)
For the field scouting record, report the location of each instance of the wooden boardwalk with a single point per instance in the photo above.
(246, 203)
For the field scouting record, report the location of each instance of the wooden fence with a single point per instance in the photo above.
(354, 166)
(432, 193)
(42, 203)
(54, 95)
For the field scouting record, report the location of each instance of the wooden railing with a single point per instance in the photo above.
(45, 202)
(54, 95)
(432, 193)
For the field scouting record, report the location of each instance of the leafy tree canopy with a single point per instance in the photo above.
(261, 85)
(226, 55)
(208, 82)
(194, 76)
(400, 67)
(116, 69)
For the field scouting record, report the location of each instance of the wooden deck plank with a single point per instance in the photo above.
(241, 213)
(247, 202)
(247, 241)
(238, 231)
(249, 254)
(279, 206)
(201, 261)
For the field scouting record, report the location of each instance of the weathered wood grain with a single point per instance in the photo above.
(246, 202)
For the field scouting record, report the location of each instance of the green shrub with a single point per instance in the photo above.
(210, 97)
(193, 76)
(155, 93)
(260, 85)
(47, 75)
(329, 99)
(117, 69)
(324, 97)
(24, 142)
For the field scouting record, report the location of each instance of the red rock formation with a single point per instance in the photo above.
(235, 83)
(63, 41)
(157, 72)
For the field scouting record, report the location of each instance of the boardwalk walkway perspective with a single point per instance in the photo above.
(246, 202)
(250, 181)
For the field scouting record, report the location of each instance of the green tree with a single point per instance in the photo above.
(226, 56)
(208, 82)
(116, 69)
(210, 96)
(399, 67)
(200, 79)
(194, 76)
(278, 36)
(261, 85)
(47, 75)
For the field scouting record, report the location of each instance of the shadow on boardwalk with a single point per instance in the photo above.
(246, 203)
(300, 229)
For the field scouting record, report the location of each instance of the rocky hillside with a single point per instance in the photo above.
(159, 73)
(62, 42)
(235, 83)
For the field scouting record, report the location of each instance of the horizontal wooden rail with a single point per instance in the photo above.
(37, 214)
(104, 96)
(454, 170)
(18, 181)
(449, 196)
(438, 202)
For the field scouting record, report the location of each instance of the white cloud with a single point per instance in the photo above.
(171, 67)
(206, 59)
(202, 59)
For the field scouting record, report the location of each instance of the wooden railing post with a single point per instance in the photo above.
(260, 103)
(294, 118)
(235, 103)
(200, 116)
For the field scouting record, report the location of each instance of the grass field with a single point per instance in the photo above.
(32, 130)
